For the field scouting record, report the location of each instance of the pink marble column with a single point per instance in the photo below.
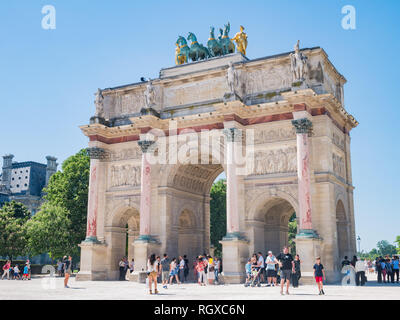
(145, 196)
(232, 211)
(303, 128)
(96, 154)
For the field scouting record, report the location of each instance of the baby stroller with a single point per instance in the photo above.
(254, 278)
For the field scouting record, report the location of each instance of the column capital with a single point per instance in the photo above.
(97, 153)
(233, 134)
(303, 125)
(145, 145)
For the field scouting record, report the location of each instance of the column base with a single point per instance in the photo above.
(234, 236)
(93, 255)
(144, 246)
(235, 253)
(308, 247)
(307, 233)
(91, 239)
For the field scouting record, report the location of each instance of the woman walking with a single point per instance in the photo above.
(152, 272)
(68, 271)
(200, 271)
(173, 272)
(297, 273)
(6, 270)
(121, 269)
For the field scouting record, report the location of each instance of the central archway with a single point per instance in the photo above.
(271, 225)
(189, 188)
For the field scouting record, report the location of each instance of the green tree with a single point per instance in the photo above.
(66, 207)
(48, 231)
(398, 244)
(292, 233)
(13, 217)
(385, 248)
(218, 214)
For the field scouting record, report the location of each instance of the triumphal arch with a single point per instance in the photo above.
(275, 125)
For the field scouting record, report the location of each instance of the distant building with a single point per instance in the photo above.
(24, 181)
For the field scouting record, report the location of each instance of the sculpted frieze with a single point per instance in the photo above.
(338, 165)
(275, 161)
(270, 135)
(124, 175)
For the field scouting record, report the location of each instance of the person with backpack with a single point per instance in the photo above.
(165, 270)
(389, 271)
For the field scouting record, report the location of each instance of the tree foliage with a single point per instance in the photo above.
(65, 209)
(13, 216)
(218, 213)
(398, 244)
(48, 231)
(385, 248)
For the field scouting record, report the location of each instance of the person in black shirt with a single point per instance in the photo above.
(286, 265)
(345, 262)
(319, 274)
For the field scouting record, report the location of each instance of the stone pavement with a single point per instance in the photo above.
(43, 289)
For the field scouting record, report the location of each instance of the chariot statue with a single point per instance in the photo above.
(215, 47)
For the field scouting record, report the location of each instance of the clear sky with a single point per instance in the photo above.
(48, 77)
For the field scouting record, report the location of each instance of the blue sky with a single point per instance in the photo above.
(48, 77)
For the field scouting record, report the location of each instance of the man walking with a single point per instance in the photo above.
(181, 270)
(360, 272)
(165, 270)
(286, 264)
(271, 269)
(261, 265)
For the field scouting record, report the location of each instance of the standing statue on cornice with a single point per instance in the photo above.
(99, 104)
(149, 95)
(298, 64)
(241, 41)
(232, 78)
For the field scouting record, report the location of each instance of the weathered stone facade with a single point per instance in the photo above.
(262, 193)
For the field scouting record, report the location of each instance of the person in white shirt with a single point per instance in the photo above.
(152, 272)
(181, 269)
(271, 262)
(360, 272)
(261, 265)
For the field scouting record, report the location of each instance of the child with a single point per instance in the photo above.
(16, 272)
(26, 273)
(248, 272)
(319, 273)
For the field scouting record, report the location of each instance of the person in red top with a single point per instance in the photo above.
(6, 270)
(200, 271)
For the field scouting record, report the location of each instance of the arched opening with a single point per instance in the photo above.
(341, 227)
(121, 235)
(189, 235)
(189, 199)
(273, 222)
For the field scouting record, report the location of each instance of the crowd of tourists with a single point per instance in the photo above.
(206, 270)
(16, 272)
(270, 271)
(386, 268)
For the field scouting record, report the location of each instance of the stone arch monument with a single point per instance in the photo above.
(152, 164)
